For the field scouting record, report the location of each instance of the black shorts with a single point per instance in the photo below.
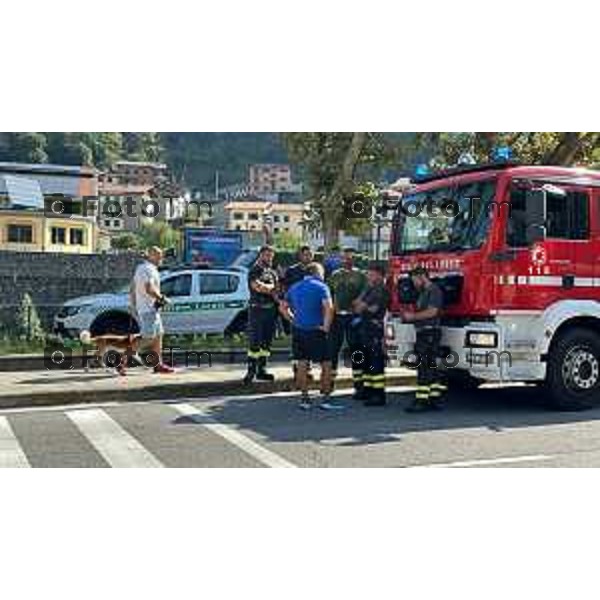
(310, 345)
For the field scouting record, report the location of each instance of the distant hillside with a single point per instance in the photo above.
(194, 157)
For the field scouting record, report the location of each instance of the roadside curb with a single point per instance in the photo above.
(36, 362)
(202, 389)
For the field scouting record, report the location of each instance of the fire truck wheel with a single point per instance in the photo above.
(573, 372)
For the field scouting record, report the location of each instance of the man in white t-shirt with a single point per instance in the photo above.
(146, 301)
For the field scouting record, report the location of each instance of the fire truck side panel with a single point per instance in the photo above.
(550, 271)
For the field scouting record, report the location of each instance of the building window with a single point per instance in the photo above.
(286, 219)
(238, 216)
(59, 235)
(253, 216)
(20, 234)
(76, 237)
(106, 222)
(276, 219)
(276, 230)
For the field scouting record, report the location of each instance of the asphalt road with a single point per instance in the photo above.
(494, 427)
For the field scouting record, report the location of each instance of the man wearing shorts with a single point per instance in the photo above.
(309, 307)
(146, 301)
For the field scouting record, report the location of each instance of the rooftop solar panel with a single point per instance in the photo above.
(23, 192)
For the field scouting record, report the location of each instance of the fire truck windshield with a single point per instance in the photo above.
(445, 219)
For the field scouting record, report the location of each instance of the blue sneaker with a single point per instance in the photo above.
(327, 403)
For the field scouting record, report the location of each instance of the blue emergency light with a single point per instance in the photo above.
(502, 154)
(421, 170)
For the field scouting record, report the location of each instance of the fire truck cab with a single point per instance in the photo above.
(516, 251)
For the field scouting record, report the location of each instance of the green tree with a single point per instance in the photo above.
(287, 241)
(78, 153)
(126, 241)
(70, 148)
(28, 323)
(334, 165)
(27, 147)
(144, 146)
(106, 148)
(550, 148)
(159, 233)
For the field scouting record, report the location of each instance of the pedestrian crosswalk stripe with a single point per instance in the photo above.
(11, 453)
(243, 442)
(488, 461)
(115, 445)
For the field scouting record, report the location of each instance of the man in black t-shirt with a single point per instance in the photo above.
(298, 271)
(262, 314)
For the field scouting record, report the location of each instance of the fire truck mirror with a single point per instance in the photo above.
(535, 215)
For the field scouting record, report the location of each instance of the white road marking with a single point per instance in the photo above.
(11, 453)
(488, 461)
(243, 442)
(117, 447)
(64, 407)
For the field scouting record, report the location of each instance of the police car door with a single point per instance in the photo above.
(221, 299)
(181, 288)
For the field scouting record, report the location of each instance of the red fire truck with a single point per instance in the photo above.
(517, 255)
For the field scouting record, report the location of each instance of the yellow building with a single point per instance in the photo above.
(48, 208)
(33, 231)
(245, 215)
(288, 218)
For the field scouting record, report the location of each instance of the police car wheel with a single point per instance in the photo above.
(573, 370)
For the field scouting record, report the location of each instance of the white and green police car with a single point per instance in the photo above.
(202, 301)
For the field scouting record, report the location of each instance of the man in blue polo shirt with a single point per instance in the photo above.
(309, 307)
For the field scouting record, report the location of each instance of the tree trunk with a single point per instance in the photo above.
(331, 229)
(566, 150)
(349, 165)
(331, 234)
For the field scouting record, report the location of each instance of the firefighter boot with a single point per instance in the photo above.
(422, 401)
(251, 372)
(359, 385)
(436, 397)
(261, 373)
(360, 394)
(376, 397)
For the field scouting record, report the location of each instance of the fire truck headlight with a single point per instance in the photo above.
(482, 339)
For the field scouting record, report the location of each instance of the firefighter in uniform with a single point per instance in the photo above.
(426, 318)
(346, 283)
(367, 339)
(262, 315)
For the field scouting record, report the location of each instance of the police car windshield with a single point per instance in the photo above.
(445, 219)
